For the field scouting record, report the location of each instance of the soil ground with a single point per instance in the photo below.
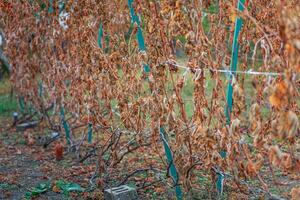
(24, 164)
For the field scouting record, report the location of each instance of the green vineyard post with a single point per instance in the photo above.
(234, 60)
(22, 105)
(40, 90)
(61, 6)
(50, 9)
(233, 68)
(140, 37)
(168, 152)
(90, 133)
(172, 167)
(100, 35)
(65, 125)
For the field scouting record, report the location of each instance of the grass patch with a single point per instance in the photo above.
(8, 103)
(4, 87)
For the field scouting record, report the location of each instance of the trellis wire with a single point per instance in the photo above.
(249, 72)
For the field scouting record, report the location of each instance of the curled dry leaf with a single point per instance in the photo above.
(252, 168)
(287, 125)
(295, 193)
(275, 155)
(279, 96)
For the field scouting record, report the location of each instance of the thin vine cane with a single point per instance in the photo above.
(100, 45)
(141, 42)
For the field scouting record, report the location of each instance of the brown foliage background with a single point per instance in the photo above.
(108, 88)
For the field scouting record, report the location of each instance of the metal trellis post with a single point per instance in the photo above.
(233, 68)
(168, 152)
(234, 60)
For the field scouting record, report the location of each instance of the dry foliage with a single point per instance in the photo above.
(85, 79)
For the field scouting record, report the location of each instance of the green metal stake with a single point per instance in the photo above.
(220, 183)
(65, 125)
(61, 5)
(168, 152)
(102, 40)
(233, 68)
(40, 90)
(100, 35)
(22, 104)
(50, 9)
(90, 133)
(172, 167)
(140, 37)
(234, 60)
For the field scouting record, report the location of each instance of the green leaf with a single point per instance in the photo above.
(68, 187)
(181, 38)
(41, 188)
(74, 187)
(6, 186)
(28, 195)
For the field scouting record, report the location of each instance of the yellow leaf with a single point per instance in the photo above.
(232, 14)
(56, 189)
(275, 101)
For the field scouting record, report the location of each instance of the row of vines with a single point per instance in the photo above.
(108, 72)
